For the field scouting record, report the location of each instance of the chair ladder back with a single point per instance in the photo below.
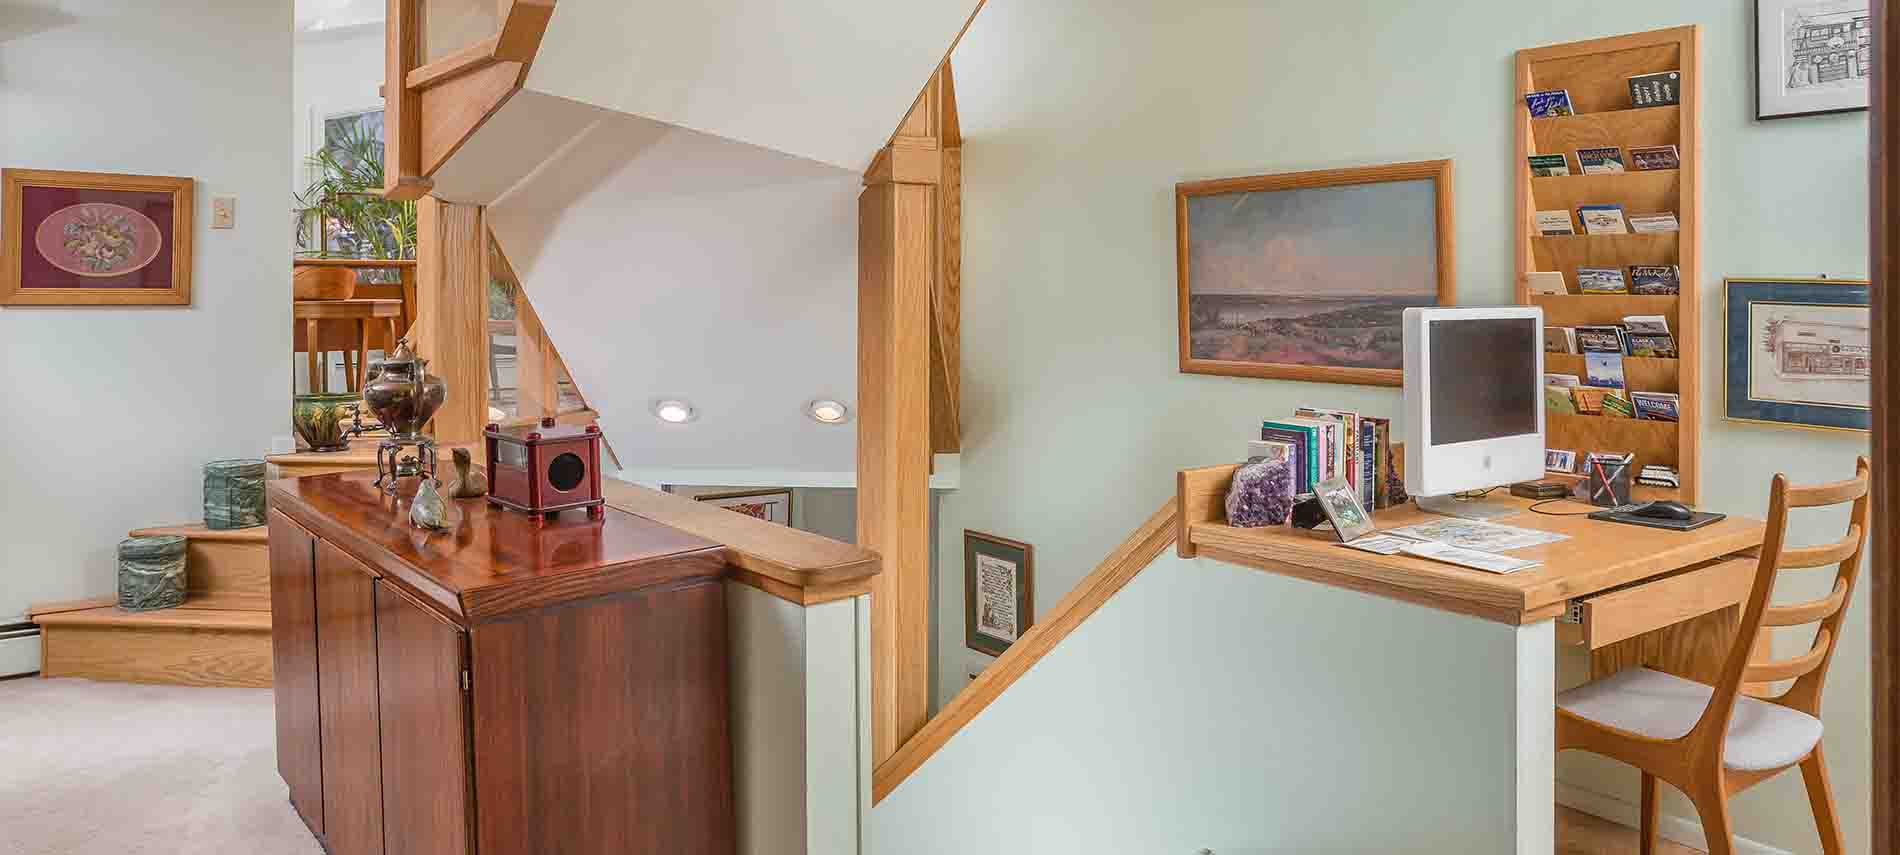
(1739, 674)
(1809, 669)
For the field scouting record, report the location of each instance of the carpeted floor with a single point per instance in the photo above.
(126, 769)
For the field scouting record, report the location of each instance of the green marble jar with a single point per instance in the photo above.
(234, 494)
(321, 419)
(151, 572)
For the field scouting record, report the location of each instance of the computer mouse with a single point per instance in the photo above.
(1665, 511)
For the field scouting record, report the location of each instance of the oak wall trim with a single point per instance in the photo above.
(1117, 570)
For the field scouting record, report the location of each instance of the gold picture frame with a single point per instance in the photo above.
(1375, 344)
(132, 260)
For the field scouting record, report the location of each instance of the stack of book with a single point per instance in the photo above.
(1325, 444)
(1605, 220)
(1637, 335)
(1655, 475)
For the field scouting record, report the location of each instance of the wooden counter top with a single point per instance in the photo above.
(1597, 556)
(494, 561)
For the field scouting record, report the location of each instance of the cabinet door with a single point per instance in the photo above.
(346, 677)
(426, 785)
(293, 631)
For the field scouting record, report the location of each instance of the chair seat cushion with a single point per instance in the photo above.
(1649, 703)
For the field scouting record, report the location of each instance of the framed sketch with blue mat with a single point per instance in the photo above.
(1799, 352)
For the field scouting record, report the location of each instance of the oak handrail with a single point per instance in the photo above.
(785, 562)
(1120, 567)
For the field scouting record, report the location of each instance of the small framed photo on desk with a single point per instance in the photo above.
(1341, 504)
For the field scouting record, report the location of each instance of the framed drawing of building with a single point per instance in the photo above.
(1812, 57)
(773, 506)
(1307, 275)
(1799, 352)
(94, 239)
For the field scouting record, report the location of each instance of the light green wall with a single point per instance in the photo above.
(1079, 118)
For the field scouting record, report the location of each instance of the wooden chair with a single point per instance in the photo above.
(1667, 726)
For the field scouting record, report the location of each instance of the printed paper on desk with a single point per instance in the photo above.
(1469, 558)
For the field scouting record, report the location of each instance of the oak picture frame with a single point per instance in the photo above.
(1439, 172)
(14, 184)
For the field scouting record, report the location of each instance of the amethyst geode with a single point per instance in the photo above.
(1262, 494)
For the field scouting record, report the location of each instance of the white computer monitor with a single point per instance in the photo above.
(1474, 405)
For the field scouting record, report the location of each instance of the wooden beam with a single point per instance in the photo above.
(946, 426)
(1884, 569)
(402, 106)
(452, 111)
(523, 24)
(452, 313)
(896, 258)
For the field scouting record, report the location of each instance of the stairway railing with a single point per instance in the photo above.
(1120, 567)
(432, 106)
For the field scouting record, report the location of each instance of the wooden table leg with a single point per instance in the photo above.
(362, 352)
(390, 346)
(317, 381)
(349, 370)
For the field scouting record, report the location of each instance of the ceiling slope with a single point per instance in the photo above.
(824, 80)
(668, 263)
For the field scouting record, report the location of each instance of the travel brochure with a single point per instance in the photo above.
(1647, 157)
(1550, 103)
(1602, 219)
(1656, 89)
(1549, 165)
(1554, 223)
(1600, 161)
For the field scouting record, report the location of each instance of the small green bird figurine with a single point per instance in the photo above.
(428, 510)
(470, 482)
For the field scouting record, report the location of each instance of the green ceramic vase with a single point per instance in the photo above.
(321, 419)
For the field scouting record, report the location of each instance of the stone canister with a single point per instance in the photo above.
(234, 494)
(151, 572)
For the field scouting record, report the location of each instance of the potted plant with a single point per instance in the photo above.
(342, 213)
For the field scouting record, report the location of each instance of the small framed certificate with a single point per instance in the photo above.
(999, 591)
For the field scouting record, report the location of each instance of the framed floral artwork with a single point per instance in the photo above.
(94, 239)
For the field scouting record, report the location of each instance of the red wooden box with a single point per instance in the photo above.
(544, 469)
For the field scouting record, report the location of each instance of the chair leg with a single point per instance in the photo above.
(1712, 805)
(1821, 801)
(1648, 845)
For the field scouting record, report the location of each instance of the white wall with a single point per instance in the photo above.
(1211, 706)
(1080, 117)
(336, 71)
(667, 263)
(110, 412)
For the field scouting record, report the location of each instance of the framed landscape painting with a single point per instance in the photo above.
(1307, 275)
(1799, 352)
(95, 239)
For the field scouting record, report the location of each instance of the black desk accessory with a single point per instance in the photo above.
(1609, 484)
(1628, 514)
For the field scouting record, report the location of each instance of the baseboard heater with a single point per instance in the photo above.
(19, 649)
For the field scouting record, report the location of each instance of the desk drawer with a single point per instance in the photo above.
(1625, 613)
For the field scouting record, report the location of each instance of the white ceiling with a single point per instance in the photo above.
(826, 80)
(667, 263)
(316, 16)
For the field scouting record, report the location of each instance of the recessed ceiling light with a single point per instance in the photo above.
(828, 411)
(673, 412)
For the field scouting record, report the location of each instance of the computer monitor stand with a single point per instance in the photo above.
(1477, 508)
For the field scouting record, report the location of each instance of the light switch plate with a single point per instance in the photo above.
(223, 212)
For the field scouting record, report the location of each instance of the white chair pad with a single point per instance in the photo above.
(1649, 703)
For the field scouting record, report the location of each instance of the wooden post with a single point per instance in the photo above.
(896, 246)
(452, 313)
(1884, 569)
(402, 106)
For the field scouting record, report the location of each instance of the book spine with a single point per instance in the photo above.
(1382, 493)
(1368, 470)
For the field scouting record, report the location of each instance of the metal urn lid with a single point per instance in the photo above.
(405, 395)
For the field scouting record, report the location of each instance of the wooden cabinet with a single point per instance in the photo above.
(293, 604)
(347, 703)
(502, 688)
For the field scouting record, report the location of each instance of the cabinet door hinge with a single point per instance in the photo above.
(465, 683)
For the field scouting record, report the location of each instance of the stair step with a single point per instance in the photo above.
(182, 646)
(198, 531)
(225, 569)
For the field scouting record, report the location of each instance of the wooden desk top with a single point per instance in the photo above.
(494, 562)
(1596, 557)
(356, 308)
